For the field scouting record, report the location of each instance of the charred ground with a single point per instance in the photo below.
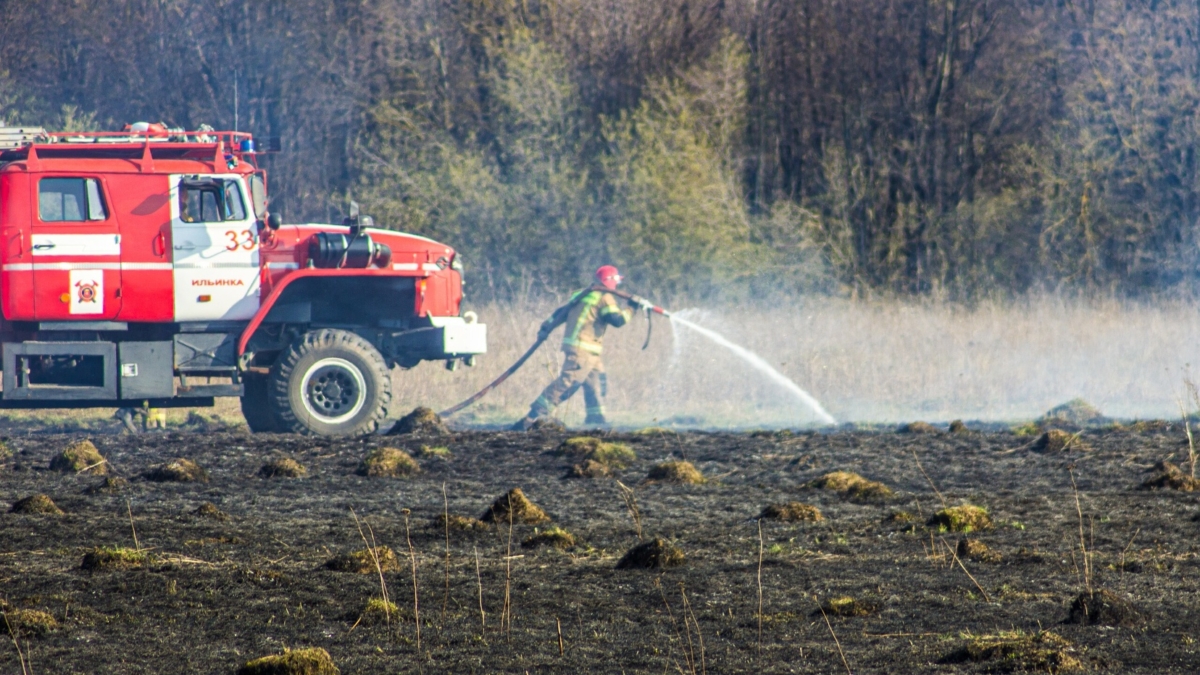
(213, 592)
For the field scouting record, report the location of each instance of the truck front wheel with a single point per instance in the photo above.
(330, 383)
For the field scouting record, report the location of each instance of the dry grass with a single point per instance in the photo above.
(852, 486)
(178, 471)
(420, 422)
(681, 472)
(1057, 440)
(917, 428)
(210, 510)
(1168, 476)
(612, 455)
(973, 549)
(847, 606)
(31, 621)
(366, 561)
(283, 467)
(1012, 651)
(80, 457)
(589, 468)
(389, 463)
(792, 512)
(654, 554)
(514, 506)
(554, 537)
(114, 558)
(864, 360)
(36, 504)
(1103, 608)
(462, 523)
(311, 661)
(965, 518)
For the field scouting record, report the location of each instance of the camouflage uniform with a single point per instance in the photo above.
(586, 316)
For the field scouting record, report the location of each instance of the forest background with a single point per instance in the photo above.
(954, 149)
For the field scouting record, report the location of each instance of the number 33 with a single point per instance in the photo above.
(247, 240)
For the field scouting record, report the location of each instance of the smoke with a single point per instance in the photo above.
(866, 362)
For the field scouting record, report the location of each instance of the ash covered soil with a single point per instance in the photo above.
(212, 593)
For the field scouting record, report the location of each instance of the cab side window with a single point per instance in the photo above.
(72, 200)
(211, 202)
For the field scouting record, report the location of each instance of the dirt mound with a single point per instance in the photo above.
(420, 422)
(80, 457)
(311, 661)
(847, 606)
(917, 428)
(1170, 477)
(1074, 413)
(651, 555)
(36, 504)
(555, 537)
(965, 518)
(1017, 651)
(973, 549)
(614, 455)
(282, 467)
(515, 505)
(676, 472)
(114, 558)
(210, 510)
(1103, 608)
(111, 485)
(959, 427)
(590, 468)
(389, 463)
(178, 471)
(852, 486)
(1057, 440)
(792, 512)
(363, 561)
(457, 522)
(31, 621)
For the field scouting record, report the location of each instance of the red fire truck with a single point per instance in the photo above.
(140, 267)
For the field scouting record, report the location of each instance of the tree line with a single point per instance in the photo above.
(948, 148)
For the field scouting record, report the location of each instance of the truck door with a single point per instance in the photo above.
(76, 250)
(215, 248)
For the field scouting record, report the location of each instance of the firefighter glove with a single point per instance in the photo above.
(638, 302)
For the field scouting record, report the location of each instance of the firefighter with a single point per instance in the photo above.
(586, 315)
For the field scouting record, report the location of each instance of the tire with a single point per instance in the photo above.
(255, 406)
(330, 383)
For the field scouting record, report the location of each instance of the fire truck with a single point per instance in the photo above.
(143, 269)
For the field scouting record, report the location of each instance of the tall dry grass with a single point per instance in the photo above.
(865, 361)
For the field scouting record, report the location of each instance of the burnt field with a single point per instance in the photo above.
(272, 566)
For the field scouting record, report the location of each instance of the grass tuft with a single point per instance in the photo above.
(555, 537)
(853, 486)
(36, 504)
(523, 510)
(676, 472)
(389, 463)
(178, 471)
(792, 512)
(362, 562)
(311, 661)
(114, 558)
(965, 518)
(1010, 651)
(283, 467)
(80, 456)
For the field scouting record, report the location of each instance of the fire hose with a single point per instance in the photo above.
(639, 302)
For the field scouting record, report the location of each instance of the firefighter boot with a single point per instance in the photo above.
(523, 424)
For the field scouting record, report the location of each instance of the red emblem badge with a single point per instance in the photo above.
(87, 291)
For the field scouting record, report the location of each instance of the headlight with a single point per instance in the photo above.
(456, 264)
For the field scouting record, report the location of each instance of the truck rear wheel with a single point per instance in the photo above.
(330, 383)
(255, 406)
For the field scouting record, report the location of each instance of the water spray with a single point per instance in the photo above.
(759, 364)
(650, 309)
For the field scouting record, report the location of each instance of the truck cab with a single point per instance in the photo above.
(136, 264)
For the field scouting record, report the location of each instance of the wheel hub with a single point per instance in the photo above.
(334, 390)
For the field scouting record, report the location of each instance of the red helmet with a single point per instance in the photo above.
(608, 277)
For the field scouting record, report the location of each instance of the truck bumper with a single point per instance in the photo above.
(448, 338)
